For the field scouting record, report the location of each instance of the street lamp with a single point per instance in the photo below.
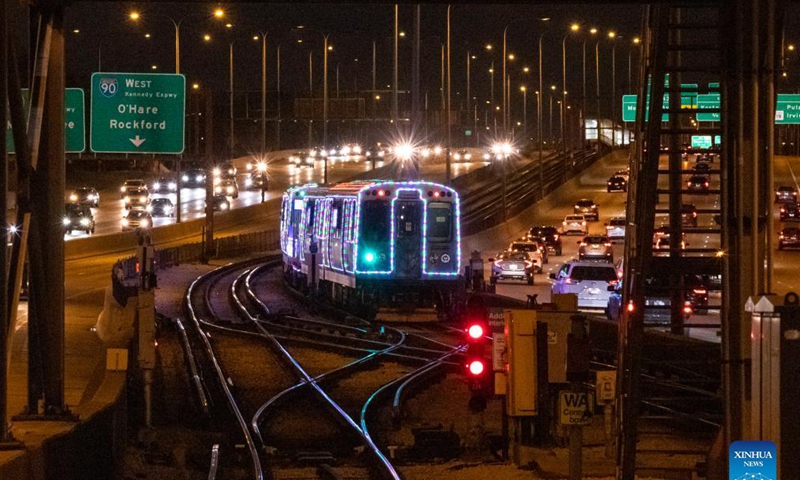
(501, 152)
(572, 29)
(612, 35)
(524, 91)
(136, 16)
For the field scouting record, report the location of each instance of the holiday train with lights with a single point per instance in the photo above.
(379, 245)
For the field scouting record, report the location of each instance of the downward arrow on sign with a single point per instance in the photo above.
(137, 141)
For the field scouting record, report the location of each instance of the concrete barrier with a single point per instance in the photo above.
(125, 241)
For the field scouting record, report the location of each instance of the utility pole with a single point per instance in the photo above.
(448, 173)
(415, 97)
(394, 77)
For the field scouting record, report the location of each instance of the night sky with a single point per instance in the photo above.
(352, 29)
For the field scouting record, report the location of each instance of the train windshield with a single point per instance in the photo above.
(439, 222)
(375, 219)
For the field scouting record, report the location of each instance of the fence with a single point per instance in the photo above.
(262, 241)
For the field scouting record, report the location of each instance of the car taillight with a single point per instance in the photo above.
(780, 236)
(688, 184)
(694, 214)
(619, 274)
(583, 223)
(607, 244)
(555, 237)
(630, 306)
(528, 264)
(613, 283)
(699, 291)
(706, 184)
(583, 244)
(565, 223)
(687, 308)
(498, 263)
(568, 281)
(783, 210)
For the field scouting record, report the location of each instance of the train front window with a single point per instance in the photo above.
(439, 222)
(375, 226)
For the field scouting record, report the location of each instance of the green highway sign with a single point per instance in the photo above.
(707, 101)
(138, 113)
(701, 141)
(787, 110)
(629, 108)
(717, 139)
(713, 85)
(74, 121)
(689, 97)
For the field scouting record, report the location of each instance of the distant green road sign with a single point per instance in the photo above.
(74, 121)
(708, 101)
(629, 108)
(701, 141)
(138, 113)
(787, 110)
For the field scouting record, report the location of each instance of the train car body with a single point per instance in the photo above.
(376, 244)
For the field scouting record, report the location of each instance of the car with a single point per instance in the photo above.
(224, 169)
(626, 174)
(615, 228)
(549, 235)
(661, 241)
(789, 237)
(596, 247)
(165, 185)
(512, 265)
(136, 219)
(698, 184)
(78, 217)
(574, 224)
(704, 157)
(701, 168)
(617, 183)
(375, 152)
(226, 186)
(301, 159)
(785, 194)
(162, 207)
(131, 185)
(688, 215)
(256, 181)
(657, 303)
(588, 280)
(790, 212)
(588, 209)
(462, 154)
(534, 247)
(137, 198)
(220, 203)
(697, 287)
(85, 196)
(194, 178)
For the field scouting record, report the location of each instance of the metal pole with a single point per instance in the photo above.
(415, 69)
(525, 112)
(563, 94)
(263, 94)
(505, 120)
(278, 80)
(5, 317)
(178, 175)
(208, 234)
(337, 80)
(394, 65)
(230, 79)
(374, 100)
(613, 94)
(491, 79)
(550, 135)
(468, 94)
(539, 121)
(597, 83)
(448, 173)
(311, 92)
(583, 99)
(325, 107)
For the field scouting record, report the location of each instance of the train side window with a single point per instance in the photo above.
(351, 233)
(336, 219)
(297, 212)
(375, 226)
(440, 220)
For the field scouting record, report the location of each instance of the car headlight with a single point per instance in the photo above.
(467, 156)
(122, 189)
(185, 178)
(127, 199)
(357, 150)
(217, 189)
(142, 199)
(65, 221)
(125, 222)
(223, 206)
(85, 222)
(457, 156)
(332, 151)
(486, 156)
(90, 197)
(230, 189)
(216, 171)
(143, 224)
(199, 178)
(248, 182)
(73, 198)
(156, 186)
(172, 186)
(148, 208)
(437, 150)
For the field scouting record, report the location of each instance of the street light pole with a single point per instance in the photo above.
(394, 77)
(597, 83)
(539, 121)
(311, 92)
(448, 173)
(505, 121)
(264, 93)
(325, 107)
(613, 90)
(230, 113)
(468, 95)
(525, 111)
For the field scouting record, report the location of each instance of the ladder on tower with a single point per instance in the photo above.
(672, 246)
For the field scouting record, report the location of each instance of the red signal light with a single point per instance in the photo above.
(476, 367)
(475, 331)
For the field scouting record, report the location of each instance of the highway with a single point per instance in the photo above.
(282, 175)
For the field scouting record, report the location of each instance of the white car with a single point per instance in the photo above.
(615, 228)
(588, 280)
(536, 249)
(574, 224)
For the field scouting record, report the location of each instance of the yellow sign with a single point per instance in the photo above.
(576, 408)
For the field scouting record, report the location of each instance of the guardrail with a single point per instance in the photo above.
(482, 206)
(261, 241)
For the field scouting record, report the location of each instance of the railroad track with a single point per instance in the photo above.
(317, 383)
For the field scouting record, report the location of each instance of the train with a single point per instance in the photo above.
(375, 246)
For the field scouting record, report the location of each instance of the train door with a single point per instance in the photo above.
(349, 236)
(335, 235)
(408, 238)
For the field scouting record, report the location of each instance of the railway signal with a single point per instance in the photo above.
(478, 371)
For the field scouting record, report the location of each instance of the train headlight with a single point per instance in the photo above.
(369, 257)
(65, 221)
(185, 178)
(73, 198)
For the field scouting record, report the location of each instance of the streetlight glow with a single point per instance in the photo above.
(526, 69)
(154, 67)
(134, 16)
(523, 88)
(488, 47)
(511, 56)
(207, 37)
(219, 13)
(402, 34)
(77, 30)
(637, 40)
(146, 35)
(195, 86)
(611, 34)
(552, 87)
(255, 37)
(228, 25)
(575, 27)
(791, 47)
(592, 30)
(330, 48)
